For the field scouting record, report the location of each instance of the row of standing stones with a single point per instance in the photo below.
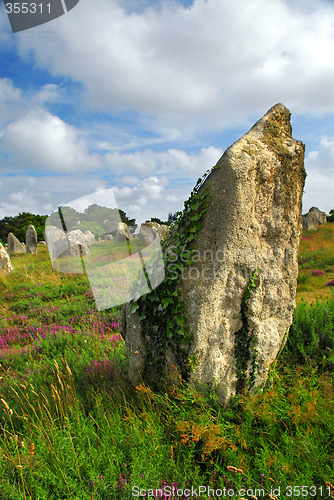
(73, 243)
(14, 246)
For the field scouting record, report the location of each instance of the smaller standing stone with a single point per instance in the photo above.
(31, 240)
(90, 238)
(123, 232)
(5, 263)
(72, 244)
(14, 245)
(313, 219)
(152, 230)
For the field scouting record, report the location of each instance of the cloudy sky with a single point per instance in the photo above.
(143, 96)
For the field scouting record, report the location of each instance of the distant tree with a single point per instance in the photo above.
(64, 218)
(330, 217)
(157, 220)
(126, 220)
(98, 220)
(108, 218)
(171, 218)
(18, 225)
(93, 227)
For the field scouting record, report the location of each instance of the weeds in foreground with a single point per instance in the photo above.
(72, 427)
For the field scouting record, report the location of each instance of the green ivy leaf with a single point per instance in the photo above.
(134, 306)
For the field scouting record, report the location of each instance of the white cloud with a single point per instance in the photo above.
(42, 141)
(215, 62)
(173, 163)
(11, 102)
(41, 195)
(322, 160)
(163, 181)
(319, 185)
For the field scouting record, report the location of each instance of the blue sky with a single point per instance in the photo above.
(144, 96)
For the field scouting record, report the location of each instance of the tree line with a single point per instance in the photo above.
(18, 225)
(99, 220)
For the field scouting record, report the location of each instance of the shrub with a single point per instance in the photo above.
(311, 336)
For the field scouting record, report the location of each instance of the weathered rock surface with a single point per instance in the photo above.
(5, 263)
(109, 237)
(152, 230)
(90, 238)
(72, 244)
(52, 234)
(14, 245)
(313, 219)
(60, 245)
(31, 240)
(252, 223)
(123, 232)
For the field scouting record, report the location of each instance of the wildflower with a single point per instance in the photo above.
(317, 272)
(330, 283)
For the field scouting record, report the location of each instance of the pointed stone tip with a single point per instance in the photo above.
(279, 113)
(276, 122)
(279, 107)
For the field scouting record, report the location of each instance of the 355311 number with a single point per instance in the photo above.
(27, 8)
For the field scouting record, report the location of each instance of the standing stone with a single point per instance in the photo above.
(250, 231)
(14, 245)
(52, 234)
(123, 232)
(5, 263)
(72, 244)
(90, 238)
(313, 219)
(152, 230)
(31, 240)
(67, 249)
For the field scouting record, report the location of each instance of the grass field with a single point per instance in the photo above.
(72, 426)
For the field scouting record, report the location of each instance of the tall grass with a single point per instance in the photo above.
(73, 427)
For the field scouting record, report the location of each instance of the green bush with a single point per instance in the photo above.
(311, 336)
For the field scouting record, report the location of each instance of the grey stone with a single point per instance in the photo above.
(5, 263)
(14, 245)
(90, 238)
(123, 232)
(109, 237)
(251, 227)
(31, 240)
(52, 234)
(72, 244)
(313, 219)
(149, 231)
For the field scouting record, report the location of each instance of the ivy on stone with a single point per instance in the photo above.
(162, 311)
(244, 339)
